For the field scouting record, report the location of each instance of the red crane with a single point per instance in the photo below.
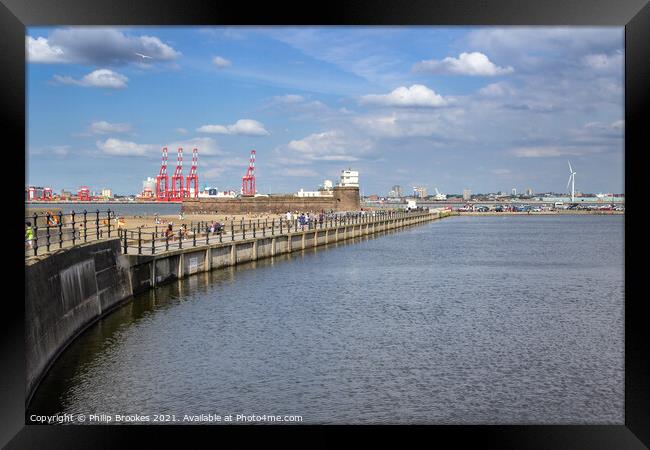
(193, 178)
(162, 180)
(177, 179)
(83, 194)
(248, 180)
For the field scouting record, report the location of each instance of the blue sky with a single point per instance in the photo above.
(481, 108)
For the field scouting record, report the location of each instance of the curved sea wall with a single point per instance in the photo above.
(64, 293)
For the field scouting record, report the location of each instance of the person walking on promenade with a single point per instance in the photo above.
(169, 232)
(29, 235)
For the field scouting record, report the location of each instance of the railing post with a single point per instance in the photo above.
(153, 243)
(280, 225)
(139, 240)
(97, 223)
(47, 223)
(166, 242)
(60, 216)
(264, 228)
(74, 231)
(194, 237)
(273, 227)
(243, 229)
(253, 229)
(232, 231)
(85, 225)
(124, 235)
(207, 237)
(180, 239)
(108, 217)
(35, 234)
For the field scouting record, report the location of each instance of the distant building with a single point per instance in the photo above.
(328, 185)
(319, 193)
(419, 191)
(349, 178)
(467, 194)
(514, 192)
(396, 191)
(529, 192)
(107, 193)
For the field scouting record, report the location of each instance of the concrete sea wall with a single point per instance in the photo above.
(70, 289)
(66, 292)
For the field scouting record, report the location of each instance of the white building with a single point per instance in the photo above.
(107, 193)
(467, 194)
(328, 185)
(319, 193)
(349, 178)
(149, 183)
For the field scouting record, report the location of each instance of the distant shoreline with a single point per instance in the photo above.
(541, 213)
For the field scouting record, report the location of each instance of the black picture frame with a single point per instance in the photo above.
(634, 15)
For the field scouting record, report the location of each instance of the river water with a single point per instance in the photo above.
(473, 320)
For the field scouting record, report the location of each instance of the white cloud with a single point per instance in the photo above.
(116, 147)
(473, 64)
(415, 96)
(496, 90)
(96, 46)
(101, 78)
(544, 152)
(221, 62)
(246, 127)
(289, 98)
(604, 63)
(297, 172)
(40, 51)
(205, 145)
(330, 145)
(103, 127)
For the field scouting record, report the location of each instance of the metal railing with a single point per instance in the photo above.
(57, 231)
(159, 239)
(53, 231)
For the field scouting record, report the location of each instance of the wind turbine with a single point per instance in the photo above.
(572, 182)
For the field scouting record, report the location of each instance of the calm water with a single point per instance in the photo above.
(463, 320)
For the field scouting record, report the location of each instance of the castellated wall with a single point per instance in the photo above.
(344, 199)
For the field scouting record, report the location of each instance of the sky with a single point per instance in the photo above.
(481, 108)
